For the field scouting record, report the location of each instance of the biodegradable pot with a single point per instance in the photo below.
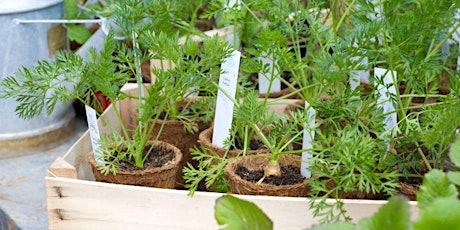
(205, 140)
(174, 133)
(244, 187)
(159, 177)
(410, 187)
(408, 190)
(443, 84)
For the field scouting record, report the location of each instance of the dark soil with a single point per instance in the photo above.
(157, 158)
(414, 181)
(289, 175)
(254, 144)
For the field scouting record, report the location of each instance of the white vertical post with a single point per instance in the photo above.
(308, 136)
(224, 107)
(269, 79)
(94, 134)
(359, 75)
(387, 90)
(231, 39)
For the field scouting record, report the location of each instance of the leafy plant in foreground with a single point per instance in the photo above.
(435, 197)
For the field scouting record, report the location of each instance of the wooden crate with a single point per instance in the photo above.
(76, 201)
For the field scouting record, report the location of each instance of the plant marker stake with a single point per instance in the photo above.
(94, 133)
(458, 58)
(308, 136)
(224, 105)
(387, 90)
(359, 75)
(230, 38)
(266, 78)
(456, 37)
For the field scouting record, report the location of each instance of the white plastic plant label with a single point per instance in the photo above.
(233, 40)
(94, 133)
(387, 92)
(378, 9)
(269, 81)
(458, 58)
(456, 38)
(231, 3)
(308, 136)
(224, 107)
(456, 35)
(359, 75)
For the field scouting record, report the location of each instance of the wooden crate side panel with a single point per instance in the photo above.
(76, 155)
(78, 203)
(98, 225)
(93, 201)
(127, 206)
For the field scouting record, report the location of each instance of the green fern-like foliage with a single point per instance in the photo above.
(194, 68)
(39, 89)
(442, 121)
(350, 160)
(209, 170)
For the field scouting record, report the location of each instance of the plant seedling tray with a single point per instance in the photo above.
(76, 201)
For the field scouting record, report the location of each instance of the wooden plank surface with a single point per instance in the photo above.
(78, 204)
(61, 168)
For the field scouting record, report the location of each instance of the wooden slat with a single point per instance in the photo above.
(61, 168)
(126, 205)
(82, 202)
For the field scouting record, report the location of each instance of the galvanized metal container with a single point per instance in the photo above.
(24, 45)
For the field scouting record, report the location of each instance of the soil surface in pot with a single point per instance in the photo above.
(254, 144)
(157, 158)
(289, 176)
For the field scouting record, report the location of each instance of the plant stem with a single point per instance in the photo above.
(427, 163)
(342, 19)
(436, 48)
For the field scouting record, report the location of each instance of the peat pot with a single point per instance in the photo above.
(23, 44)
